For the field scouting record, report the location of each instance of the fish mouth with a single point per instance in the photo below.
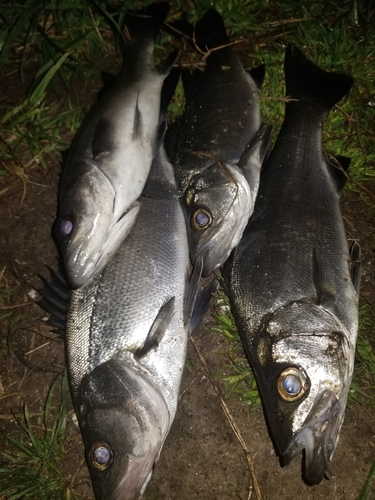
(318, 437)
(121, 409)
(88, 256)
(215, 245)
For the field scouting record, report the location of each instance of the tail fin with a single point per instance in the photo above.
(146, 23)
(210, 31)
(306, 82)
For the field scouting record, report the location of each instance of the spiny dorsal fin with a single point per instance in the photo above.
(158, 328)
(257, 74)
(324, 291)
(338, 167)
(172, 139)
(190, 81)
(356, 265)
(168, 89)
(55, 299)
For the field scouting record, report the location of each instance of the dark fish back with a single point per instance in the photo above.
(297, 212)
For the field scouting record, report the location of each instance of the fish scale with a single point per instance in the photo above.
(218, 146)
(126, 342)
(110, 158)
(289, 279)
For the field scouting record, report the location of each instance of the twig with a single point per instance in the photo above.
(190, 383)
(14, 306)
(362, 187)
(233, 425)
(37, 348)
(282, 22)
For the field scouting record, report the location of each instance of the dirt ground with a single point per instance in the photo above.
(202, 458)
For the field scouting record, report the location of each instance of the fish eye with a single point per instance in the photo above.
(101, 456)
(65, 227)
(292, 384)
(201, 219)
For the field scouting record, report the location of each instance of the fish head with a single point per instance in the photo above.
(124, 421)
(218, 204)
(89, 230)
(304, 369)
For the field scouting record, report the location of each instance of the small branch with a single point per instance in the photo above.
(234, 427)
(15, 306)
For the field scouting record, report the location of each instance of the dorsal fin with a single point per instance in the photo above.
(55, 299)
(257, 74)
(190, 81)
(172, 138)
(356, 265)
(169, 87)
(338, 167)
(158, 328)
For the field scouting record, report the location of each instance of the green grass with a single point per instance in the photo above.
(240, 379)
(55, 46)
(29, 465)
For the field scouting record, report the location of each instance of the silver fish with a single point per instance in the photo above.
(218, 146)
(292, 281)
(111, 155)
(126, 341)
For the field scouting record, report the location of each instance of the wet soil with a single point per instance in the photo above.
(202, 458)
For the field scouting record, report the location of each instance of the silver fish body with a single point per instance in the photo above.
(292, 281)
(220, 132)
(110, 158)
(126, 340)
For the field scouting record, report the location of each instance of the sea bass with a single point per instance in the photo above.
(218, 146)
(293, 284)
(126, 341)
(111, 155)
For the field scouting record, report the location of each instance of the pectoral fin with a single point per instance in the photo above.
(324, 291)
(192, 291)
(254, 153)
(158, 328)
(202, 303)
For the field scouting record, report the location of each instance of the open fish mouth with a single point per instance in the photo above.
(318, 437)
